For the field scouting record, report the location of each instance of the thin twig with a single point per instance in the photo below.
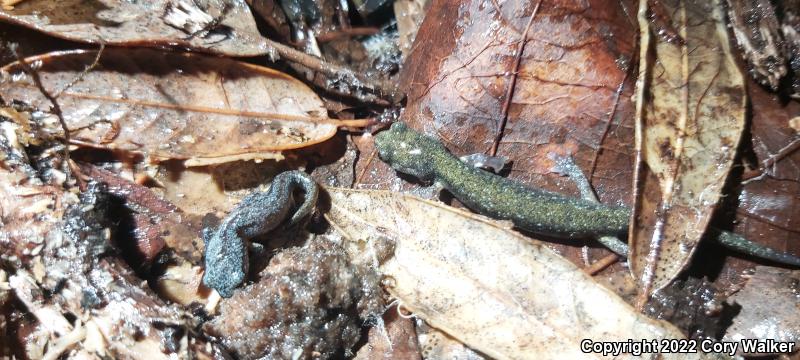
(787, 150)
(349, 32)
(215, 22)
(55, 107)
(513, 81)
(83, 73)
(366, 167)
(232, 112)
(610, 120)
(380, 89)
(636, 197)
(601, 264)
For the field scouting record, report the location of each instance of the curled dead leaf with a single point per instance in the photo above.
(690, 116)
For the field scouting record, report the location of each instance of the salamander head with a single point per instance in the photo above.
(408, 151)
(225, 262)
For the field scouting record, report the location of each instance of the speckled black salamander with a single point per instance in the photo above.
(226, 257)
(538, 211)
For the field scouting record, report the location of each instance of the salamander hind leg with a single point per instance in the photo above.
(566, 165)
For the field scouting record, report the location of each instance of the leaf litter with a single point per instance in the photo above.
(249, 341)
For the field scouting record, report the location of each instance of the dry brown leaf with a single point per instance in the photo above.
(218, 26)
(175, 106)
(691, 105)
(181, 283)
(495, 290)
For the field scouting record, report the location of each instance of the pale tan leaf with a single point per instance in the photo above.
(175, 106)
(691, 104)
(436, 344)
(498, 292)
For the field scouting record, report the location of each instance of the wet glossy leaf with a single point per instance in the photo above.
(769, 307)
(569, 90)
(218, 26)
(692, 102)
(498, 292)
(766, 205)
(175, 106)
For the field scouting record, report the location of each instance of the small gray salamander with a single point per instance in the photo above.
(534, 210)
(226, 257)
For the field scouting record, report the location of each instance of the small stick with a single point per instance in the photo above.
(232, 112)
(356, 31)
(55, 107)
(593, 165)
(84, 72)
(366, 167)
(513, 81)
(333, 70)
(601, 264)
(772, 160)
